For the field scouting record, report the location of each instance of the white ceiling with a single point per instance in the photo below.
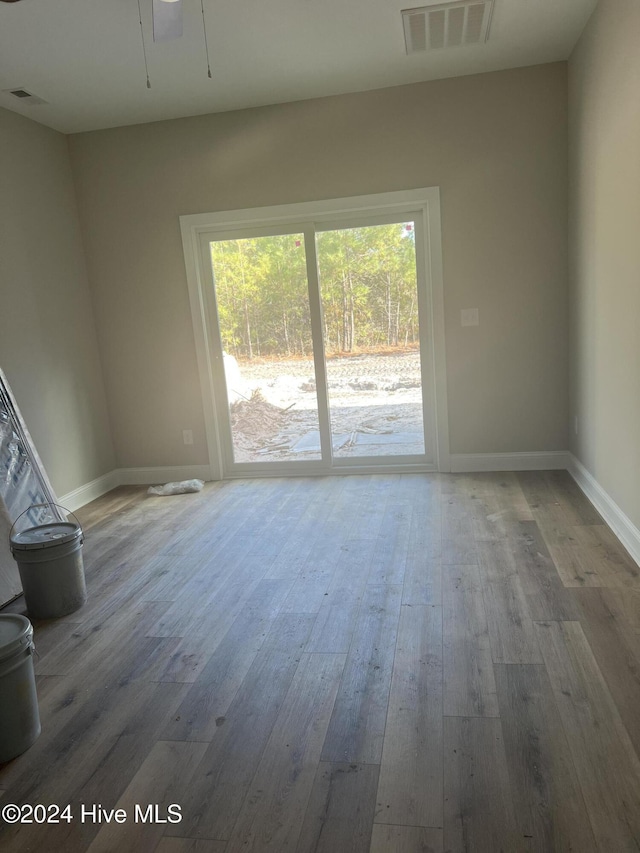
(84, 57)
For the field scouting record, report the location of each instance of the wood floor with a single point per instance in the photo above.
(391, 664)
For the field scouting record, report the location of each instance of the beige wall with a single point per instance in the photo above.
(48, 346)
(496, 145)
(604, 98)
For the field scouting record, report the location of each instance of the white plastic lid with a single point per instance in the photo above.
(15, 632)
(45, 535)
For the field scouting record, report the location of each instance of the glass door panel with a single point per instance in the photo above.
(368, 287)
(265, 327)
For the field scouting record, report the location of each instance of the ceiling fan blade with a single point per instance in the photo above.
(167, 19)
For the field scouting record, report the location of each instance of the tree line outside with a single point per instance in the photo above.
(367, 283)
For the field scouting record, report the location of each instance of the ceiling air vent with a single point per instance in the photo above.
(447, 25)
(25, 96)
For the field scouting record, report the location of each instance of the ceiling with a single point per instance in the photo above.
(84, 57)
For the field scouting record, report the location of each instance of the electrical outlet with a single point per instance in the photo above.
(187, 436)
(469, 317)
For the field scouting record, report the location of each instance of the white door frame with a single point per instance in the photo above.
(203, 312)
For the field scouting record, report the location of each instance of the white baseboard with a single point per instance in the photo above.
(621, 524)
(460, 463)
(535, 461)
(90, 491)
(156, 476)
(131, 477)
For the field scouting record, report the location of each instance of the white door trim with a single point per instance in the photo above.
(192, 226)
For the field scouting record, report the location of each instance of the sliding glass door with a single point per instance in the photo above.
(371, 329)
(318, 346)
(264, 324)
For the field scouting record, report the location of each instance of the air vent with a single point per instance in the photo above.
(447, 25)
(25, 96)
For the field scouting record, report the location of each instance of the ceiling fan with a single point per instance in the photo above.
(167, 18)
(167, 24)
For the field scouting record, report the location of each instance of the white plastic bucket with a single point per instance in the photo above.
(19, 717)
(49, 558)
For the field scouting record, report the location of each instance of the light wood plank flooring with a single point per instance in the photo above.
(363, 664)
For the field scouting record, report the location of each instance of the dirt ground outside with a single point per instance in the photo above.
(375, 403)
